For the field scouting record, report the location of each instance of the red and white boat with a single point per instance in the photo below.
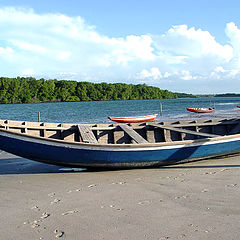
(201, 110)
(140, 119)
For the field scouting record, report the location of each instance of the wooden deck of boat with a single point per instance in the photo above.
(135, 133)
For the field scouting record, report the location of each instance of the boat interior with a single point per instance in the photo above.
(134, 133)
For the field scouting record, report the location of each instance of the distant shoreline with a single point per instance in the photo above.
(31, 90)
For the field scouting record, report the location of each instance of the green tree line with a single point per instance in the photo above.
(228, 95)
(30, 90)
(185, 95)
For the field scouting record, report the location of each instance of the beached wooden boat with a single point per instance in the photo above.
(120, 145)
(140, 119)
(201, 110)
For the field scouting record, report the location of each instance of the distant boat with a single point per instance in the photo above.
(140, 119)
(120, 145)
(238, 106)
(201, 110)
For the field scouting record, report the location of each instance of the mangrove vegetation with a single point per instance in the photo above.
(31, 90)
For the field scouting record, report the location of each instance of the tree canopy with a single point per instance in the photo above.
(30, 90)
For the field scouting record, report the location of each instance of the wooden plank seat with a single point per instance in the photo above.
(86, 134)
(133, 134)
(208, 135)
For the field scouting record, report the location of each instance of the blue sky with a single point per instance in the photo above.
(182, 46)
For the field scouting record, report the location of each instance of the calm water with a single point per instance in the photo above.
(97, 112)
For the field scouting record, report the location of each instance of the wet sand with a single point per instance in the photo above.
(198, 200)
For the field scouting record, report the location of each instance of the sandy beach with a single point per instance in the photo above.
(198, 200)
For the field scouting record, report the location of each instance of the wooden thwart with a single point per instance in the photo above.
(86, 134)
(185, 131)
(132, 133)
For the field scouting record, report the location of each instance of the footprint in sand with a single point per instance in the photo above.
(117, 208)
(35, 208)
(52, 194)
(58, 233)
(138, 179)
(183, 235)
(195, 227)
(55, 201)
(26, 222)
(146, 202)
(182, 174)
(35, 225)
(91, 185)
(45, 215)
(231, 185)
(184, 196)
(224, 169)
(209, 173)
(121, 183)
(69, 212)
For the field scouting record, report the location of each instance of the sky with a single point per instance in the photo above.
(182, 46)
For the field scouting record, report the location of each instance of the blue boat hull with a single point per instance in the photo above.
(87, 155)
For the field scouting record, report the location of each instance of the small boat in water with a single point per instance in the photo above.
(238, 106)
(148, 118)
(201, 110)
(120, 145)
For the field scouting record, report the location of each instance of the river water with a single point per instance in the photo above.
(98, 112)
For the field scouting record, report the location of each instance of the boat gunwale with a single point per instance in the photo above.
(184, 123)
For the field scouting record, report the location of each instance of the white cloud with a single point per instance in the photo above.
(220, 69)
(224, 74)
(28, 46)
(6, 51)
(47, 45)
(193, 43)
(233, 32)
(59, 37)
(28, 72)
(153, 73)
(167, 75)
(64, 55)
(186, 75)
(234, 72)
